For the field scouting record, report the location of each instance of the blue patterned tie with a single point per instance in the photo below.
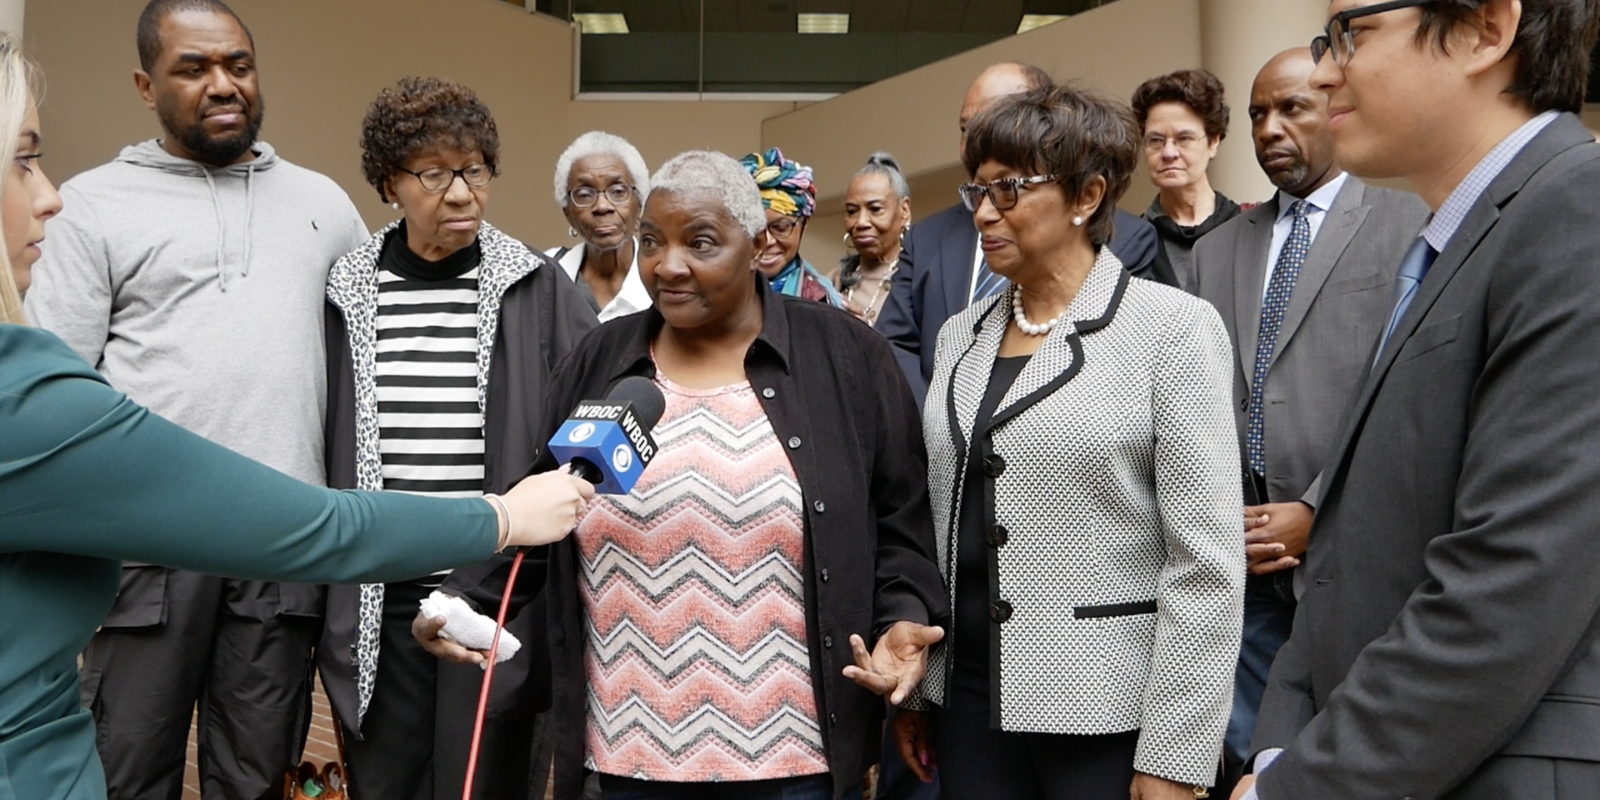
(988, 283)
(1273, 306)
(1412, 270)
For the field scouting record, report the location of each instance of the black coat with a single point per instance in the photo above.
(833, 394)
(542, 318)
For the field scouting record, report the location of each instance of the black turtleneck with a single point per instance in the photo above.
(398, 258)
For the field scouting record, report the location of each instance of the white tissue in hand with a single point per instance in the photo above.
(468, 628)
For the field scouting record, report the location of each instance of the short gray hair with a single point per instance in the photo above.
(721, 175)
(598, 143)
(881, 163)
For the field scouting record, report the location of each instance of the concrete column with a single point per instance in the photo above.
(11, 16)
(1236, 39)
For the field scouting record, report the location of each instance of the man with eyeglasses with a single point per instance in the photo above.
(1448, 642)
(1302, 283)
(942, 269)
(190, 271)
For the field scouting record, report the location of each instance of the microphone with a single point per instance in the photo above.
(608, 441)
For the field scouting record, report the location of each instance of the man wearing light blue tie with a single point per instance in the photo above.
(1447, 644)
(1302, 282)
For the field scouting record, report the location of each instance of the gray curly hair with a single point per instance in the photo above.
(595, 143)
(720, 174)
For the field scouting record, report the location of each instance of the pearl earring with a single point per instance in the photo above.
(571, 234)
(1077, 222)
(395, 206)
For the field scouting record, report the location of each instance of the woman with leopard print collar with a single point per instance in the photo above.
(442, 333)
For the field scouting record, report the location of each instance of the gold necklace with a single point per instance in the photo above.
(869, 313)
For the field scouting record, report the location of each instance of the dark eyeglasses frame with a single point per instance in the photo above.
(1338, 30)
(488, 175)
(622, 191)
(1010, 189)
(794, 224)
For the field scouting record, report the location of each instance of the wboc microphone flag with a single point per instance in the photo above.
(608, 441)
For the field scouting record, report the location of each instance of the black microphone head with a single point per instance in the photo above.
(648, 404)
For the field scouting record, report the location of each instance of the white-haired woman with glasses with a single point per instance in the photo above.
(442, 336)
(601, 181)
(1084, 479)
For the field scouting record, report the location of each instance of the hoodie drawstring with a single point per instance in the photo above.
(222, 230)
(249, 212)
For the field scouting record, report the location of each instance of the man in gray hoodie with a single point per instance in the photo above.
(191, 272)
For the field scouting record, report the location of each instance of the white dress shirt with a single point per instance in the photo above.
(1320, 201)
(631, 299)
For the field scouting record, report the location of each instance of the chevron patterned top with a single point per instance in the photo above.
(696, 658)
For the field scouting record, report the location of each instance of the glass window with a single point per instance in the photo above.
(785, 47)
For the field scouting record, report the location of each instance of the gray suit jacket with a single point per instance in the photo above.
(1336, 313)
(1451, 615)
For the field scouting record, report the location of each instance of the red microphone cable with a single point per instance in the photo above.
(488, 676)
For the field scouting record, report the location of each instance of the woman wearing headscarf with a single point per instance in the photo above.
(601, 181)
(790, 198)
(877, 217)
(89, 479)
(704, 626)
(442, 334)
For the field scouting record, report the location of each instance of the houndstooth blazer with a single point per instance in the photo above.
(1113, 517)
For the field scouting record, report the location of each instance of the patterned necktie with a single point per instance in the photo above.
(1273, 306)
(988, 283)
(1412, 270)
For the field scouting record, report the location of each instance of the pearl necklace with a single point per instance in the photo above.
(1022, 319)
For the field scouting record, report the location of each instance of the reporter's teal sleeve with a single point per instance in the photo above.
(85, 471)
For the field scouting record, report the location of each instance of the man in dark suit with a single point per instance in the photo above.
(941, 269)
(1302, 282)
(1448, 641)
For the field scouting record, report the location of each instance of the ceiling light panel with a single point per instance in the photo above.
(601, 23)
(1031, 21)
(824, 23)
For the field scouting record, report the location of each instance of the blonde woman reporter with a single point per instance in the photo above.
(89, 479)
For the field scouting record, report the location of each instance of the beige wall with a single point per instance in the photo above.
(317, 80)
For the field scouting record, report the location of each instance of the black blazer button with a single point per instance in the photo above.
(1000, 611)
(820, 506)
(998, 535)
(824, 574)
(993, 466)
(794, 443)
(833, 718)
(827, 641)
(769, 393)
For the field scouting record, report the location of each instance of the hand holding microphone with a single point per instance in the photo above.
(605, 444)
(543, 508)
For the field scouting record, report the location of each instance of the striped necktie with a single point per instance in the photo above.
(987, 283)
(1273, 306)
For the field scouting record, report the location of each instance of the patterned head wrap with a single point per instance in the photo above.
(785, 185)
